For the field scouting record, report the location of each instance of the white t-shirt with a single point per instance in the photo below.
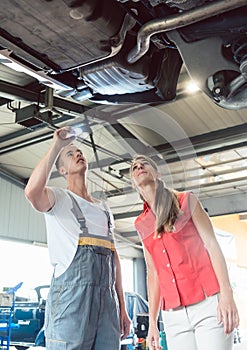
(63, 228)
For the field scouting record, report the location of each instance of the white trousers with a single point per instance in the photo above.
(195, 327)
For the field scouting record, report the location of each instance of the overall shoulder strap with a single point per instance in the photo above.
(77, 212)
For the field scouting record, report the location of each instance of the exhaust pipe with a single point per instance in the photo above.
(178, 21)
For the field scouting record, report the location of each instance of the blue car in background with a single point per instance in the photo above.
(30, 315)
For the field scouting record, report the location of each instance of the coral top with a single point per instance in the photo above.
(183, 266)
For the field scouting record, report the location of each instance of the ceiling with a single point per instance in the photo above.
(198, 145)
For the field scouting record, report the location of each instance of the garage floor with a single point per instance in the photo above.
(242, 346)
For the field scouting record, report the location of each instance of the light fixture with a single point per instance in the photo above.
(192, 87)
(31, 117)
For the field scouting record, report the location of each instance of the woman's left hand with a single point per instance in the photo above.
(228, 313)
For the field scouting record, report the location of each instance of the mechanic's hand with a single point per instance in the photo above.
(64, 136)
(124, 324)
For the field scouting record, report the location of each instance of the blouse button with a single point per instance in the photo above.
(164, 250)
(173, 280)
(168, 265)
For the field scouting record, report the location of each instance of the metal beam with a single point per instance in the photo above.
(126, 215)
(227, 204)
(208, 143)
(137, 146)
(16, 180)
(15, 92)
(4, 101)
(26, 131)
(128, 234)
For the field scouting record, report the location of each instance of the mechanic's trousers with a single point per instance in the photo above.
(195, 327)
(82, 311)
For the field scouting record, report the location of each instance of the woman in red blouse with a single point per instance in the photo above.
(186, 272)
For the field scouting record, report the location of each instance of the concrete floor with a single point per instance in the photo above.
(242, 346)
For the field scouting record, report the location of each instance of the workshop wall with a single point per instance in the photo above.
(19, 221)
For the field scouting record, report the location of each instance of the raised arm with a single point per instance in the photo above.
(36, 190)
(153, 302)
(227, 311)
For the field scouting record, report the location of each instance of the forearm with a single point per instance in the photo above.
(40, 175)
(153, 297)
(119, 286)
(206, 232)
(227, 310)
(124, 318)
(220, 268)
(36, 190)
(153, 288)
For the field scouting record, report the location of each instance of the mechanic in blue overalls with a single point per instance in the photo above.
(85, 309)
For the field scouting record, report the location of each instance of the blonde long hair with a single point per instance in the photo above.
(166, 204)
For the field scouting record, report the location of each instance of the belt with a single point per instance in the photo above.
(96, 242)
(177, 308)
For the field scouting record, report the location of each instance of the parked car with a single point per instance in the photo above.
(29, 315)
(117, 51)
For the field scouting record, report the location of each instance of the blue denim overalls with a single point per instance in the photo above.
(82, 311)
